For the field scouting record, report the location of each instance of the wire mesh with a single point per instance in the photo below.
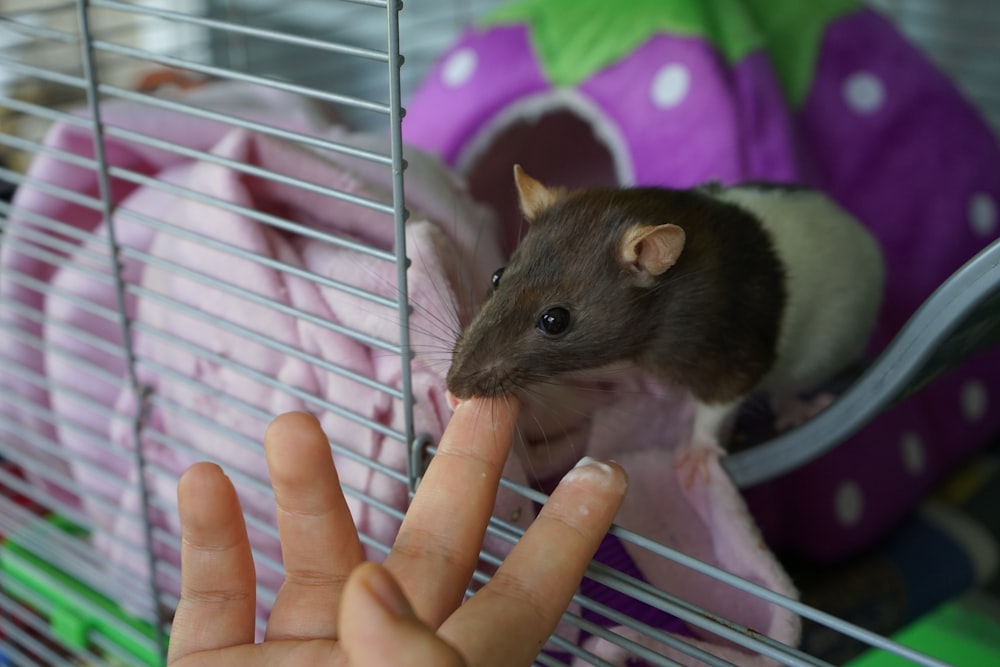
(100, 474)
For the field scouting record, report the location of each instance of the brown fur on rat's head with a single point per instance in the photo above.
(568, 298)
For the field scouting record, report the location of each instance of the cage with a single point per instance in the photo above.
(214, 211)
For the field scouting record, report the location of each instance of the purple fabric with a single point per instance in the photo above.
(613, 554)
(506, 76)
(658, 136)
(918, 169)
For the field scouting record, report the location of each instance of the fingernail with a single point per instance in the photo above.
(591, 461)
(386, 592)
(589, 466)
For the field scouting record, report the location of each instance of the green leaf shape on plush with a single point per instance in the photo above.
(574, 39)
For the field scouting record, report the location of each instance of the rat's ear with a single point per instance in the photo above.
(650, 251)
(533, 196)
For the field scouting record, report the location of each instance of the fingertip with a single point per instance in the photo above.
(501, 411)
(295, 444)
(589, 494)
(483, 427)
(200, 473)
(608, 474)
(200, 481)
(508, 403)
(291, 423)
(206, 503)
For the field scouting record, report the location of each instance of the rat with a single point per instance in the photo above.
(723, 291)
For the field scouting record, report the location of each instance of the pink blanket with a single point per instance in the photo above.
(199, 407)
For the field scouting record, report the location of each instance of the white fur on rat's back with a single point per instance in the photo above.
(835, 275)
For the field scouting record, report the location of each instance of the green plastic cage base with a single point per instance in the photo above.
(74, 610)
(954, 633)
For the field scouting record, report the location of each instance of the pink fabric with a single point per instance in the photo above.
(194, 400)
(640, 424)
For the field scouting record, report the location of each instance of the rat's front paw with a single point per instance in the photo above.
(694, 460)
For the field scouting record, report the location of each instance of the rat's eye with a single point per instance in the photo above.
(496, 277)
(554, 321)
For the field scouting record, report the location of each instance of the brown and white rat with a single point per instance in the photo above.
(722, 291)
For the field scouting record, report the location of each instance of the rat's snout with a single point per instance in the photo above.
(459, 380)
(465, 382)
(487, 360)
(456, 384)
(475, 371)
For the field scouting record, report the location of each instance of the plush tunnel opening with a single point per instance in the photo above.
(558, 147)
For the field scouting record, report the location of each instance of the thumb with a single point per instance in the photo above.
(378, 627)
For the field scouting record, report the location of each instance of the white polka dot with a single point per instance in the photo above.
(670, 85)
(983, 214)
(975, 400)
(914, 456)
(849, 503)
(864, 92)
(459, 67)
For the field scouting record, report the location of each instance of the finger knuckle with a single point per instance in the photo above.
(215, 596)
(464, 456)
(527, 596)
(568, 520)
(312, 578)
(422, 545)
(296, 509)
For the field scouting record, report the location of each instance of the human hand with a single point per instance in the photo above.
(336, 609)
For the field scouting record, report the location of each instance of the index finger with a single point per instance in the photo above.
(438, 544)
(217, 604)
